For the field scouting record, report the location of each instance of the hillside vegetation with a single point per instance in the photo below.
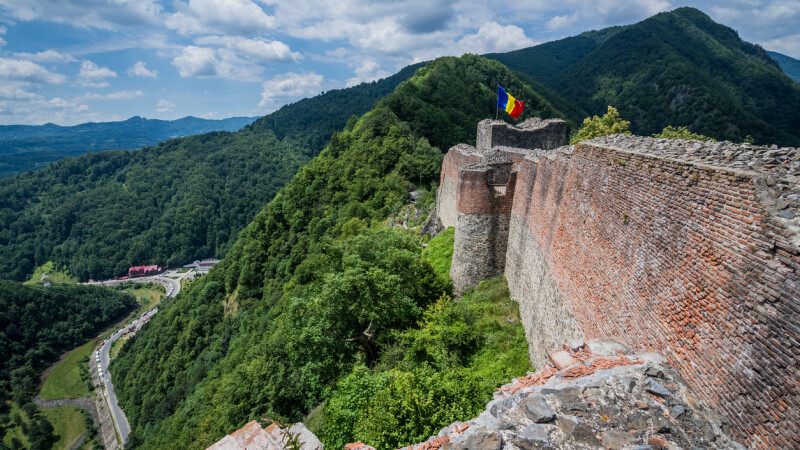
(39, 323)
(181, 200)
(676, 68)
(321, 287)
(25, 147)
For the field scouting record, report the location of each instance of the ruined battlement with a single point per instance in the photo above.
(688, 248)
(530, 134)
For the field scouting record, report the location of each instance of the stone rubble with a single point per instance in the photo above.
(253, 437)
(606, 397)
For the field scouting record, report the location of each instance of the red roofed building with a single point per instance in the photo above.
(140, 271)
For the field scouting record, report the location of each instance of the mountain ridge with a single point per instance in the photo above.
(677, 68)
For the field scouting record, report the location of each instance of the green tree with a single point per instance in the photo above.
(593, 127)
(671, 132)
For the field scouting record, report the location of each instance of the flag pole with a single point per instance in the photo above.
(497, 105)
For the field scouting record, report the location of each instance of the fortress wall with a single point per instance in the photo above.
(673, 256)
(459, 155)
(547, 318)
(481, 238)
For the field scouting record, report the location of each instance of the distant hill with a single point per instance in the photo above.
(676, 68)
(789, 65)
(25, 147)
(183, 199)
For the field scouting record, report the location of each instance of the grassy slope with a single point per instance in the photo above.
(53, 274)
(440, 251)
(67, 425)
(64, 381)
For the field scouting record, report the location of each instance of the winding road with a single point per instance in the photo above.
(172, 286)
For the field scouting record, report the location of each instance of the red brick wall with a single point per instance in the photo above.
(682, 260)
(475, 196)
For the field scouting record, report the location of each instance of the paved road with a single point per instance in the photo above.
(172, 286)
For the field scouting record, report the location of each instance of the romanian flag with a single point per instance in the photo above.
(512, 106)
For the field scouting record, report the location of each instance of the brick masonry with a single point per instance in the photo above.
(654, 243)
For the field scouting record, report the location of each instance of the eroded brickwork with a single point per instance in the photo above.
(668, 255)
(688, 248)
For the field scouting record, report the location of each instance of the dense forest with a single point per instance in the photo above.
(100, 213)
(39, 323)
(180, 200)
(25, 147)
(318, 299)
(676, 68)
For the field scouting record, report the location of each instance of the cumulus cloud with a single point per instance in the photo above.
(289, 87)
(368, 71)
(39, 110)
(27, 71)
(232, 17)
(92, 75)
(16, 91)
(204, 62)
(119, 95)
(139, 69)
(85, 13)
(164, 106)
(47, 56)
(493, 37)
(256, 50)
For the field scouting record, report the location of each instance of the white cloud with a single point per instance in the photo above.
(256, 50)
(289, 87)
(230, 17)
(210, 115)
(27, 71)
(86, 13)
(368, 71)
(39, 110)
(92, 75)
(493, 37)
(47, 56)
(119, 95)
(204, 62)
(16, 91)
(139, 69)
(164, 106)
(92, 71)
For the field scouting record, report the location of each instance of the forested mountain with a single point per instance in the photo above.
(24, 147)
(39, 323)
(676, 68)
(316, 289)
(180, 200)
(789, 65)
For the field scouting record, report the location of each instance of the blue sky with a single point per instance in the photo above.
(73, 61)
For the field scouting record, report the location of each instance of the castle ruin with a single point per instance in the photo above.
(687, 248)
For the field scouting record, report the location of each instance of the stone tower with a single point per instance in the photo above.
(477, 191)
